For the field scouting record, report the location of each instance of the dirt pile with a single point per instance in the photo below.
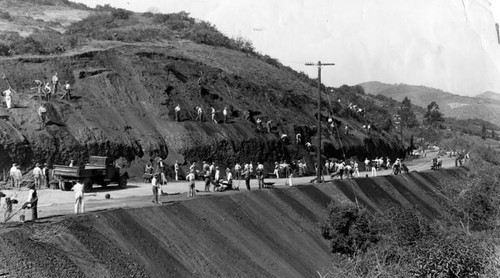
(255, 234)
(123, 106)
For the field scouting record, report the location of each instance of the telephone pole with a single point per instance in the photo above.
(318, 168)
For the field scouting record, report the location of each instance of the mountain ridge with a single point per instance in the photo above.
(451, 105)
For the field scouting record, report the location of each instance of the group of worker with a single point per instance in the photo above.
(200, 114)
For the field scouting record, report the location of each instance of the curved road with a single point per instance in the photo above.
(138, 194)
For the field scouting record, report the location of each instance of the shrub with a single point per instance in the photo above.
(121, 14)
(5, 15)
(351, 230)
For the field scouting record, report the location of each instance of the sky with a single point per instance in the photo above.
(446, 44)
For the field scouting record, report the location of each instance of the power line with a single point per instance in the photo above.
(319, 65)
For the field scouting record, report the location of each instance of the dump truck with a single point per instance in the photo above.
(99, 170)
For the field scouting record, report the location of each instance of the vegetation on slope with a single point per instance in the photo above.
(401, 242)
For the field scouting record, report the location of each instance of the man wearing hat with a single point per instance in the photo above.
(32, 202)
(37, 176)
(12, 174)
(191, 189)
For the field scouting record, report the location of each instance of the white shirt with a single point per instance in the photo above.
(177, 108)
(13, 170)
(224, 111)
(78, 188)
(37, 171)
(55, 79)
(67, 86)
(229, 176)
(7, 93)
(217, 174)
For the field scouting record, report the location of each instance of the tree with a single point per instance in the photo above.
(483, 132)
(408, 117)
(433, 117)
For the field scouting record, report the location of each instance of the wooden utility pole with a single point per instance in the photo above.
(318, 168)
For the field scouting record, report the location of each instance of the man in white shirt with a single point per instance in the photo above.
(176, 169)
(55, 83)
(177, 110)
(79, 203)
(8, 98)
(224, 112)
(37, 175)
(237, 170)
(67, 93)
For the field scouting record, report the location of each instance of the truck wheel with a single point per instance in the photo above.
(87, 184)
(67, 185)
(122, 182)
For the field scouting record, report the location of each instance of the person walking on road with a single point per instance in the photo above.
(191, 181)
(246, 174)
(79, 202)
(176, 169)
(37, 176)
(155, 182)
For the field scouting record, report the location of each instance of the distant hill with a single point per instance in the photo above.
(485, 106)
(489, 95)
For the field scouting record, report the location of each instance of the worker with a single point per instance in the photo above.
(71, 163)
(55, 83)
(176, 169)
(247, 175)
(39, 85)
(298, 138)
(48, 91)
(8, 98)
(155, 182)
(42, 112)
(161, 170)
(268, 126)
(224, 113)
(191, 180)
(177, 110)
(46, 175)
(199, 113)
(13, 175)
(79, 189)
(8, 209)
(67, 93)
(32, 202)
(213, 114)
(37, 176)
(308, 146)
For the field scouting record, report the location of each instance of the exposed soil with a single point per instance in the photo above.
(123, 106)
(271, 233)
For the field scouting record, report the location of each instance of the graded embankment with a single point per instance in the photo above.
(253, 234)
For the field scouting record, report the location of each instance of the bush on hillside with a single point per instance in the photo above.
(206, 33)
(5, 15)
(4, 50)
(350, 229)
(408, 245)
(121, 14)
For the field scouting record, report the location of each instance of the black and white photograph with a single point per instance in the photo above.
(250, 138)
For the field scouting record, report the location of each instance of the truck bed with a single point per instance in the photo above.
(77, 171)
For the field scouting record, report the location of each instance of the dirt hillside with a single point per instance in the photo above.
(123, 103)
(272, 233)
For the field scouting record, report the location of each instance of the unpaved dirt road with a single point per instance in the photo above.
(139, 194)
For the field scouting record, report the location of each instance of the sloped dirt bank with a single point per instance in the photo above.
(123, 106)
(271, 233)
